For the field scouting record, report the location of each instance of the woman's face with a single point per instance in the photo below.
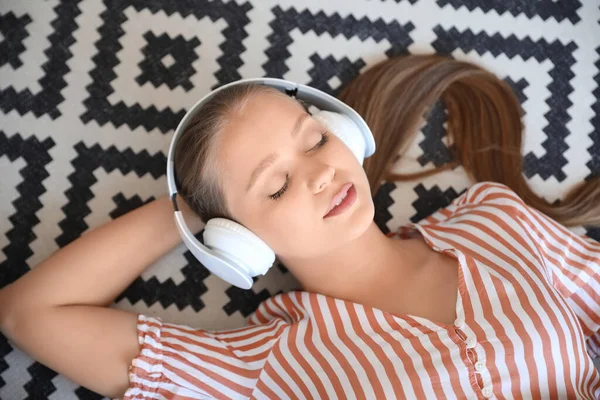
(282, 170)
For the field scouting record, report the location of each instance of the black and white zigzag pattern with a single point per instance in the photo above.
(90, 93)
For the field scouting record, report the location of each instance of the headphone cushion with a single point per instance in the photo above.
(346, 130)
(231, 226)
(239, 245)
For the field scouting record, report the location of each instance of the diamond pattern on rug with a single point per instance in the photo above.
(90, 93)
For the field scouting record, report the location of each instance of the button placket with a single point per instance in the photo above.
(479, 363)
(471, 343)
(487, 392)
(479, 366)
(483, 373)
(459, 323)
(477, 358)
(472, 355)
(485, 377)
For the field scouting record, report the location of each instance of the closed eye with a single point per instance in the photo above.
(286, 185)
(324, 139)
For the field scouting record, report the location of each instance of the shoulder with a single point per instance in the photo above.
(289, 308)
(482, 195)
(491, 193)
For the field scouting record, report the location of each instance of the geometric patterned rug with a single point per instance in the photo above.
(91, 91)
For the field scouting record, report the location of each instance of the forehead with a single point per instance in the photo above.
(265, 108)
(262, 126)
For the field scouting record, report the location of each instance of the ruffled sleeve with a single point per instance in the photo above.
(178, 361)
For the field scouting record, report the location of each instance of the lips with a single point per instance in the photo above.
(339, 196)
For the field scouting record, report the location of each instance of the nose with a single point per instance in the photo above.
(322, 177)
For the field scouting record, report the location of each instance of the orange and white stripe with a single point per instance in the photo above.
(528, 317)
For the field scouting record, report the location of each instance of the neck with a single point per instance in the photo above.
(357, 270)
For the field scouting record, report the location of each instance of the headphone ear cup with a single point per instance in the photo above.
(346, 130)
(244, 250)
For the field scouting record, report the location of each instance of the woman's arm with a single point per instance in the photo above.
(57, 312)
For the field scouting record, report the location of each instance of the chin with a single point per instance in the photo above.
(362, 218)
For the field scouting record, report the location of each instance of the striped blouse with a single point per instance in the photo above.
(528, 300)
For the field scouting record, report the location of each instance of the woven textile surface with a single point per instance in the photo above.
(91, 91)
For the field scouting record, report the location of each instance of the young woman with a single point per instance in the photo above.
(488, 297)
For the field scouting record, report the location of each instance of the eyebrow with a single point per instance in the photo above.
(272, 157)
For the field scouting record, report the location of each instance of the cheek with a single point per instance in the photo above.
(292, 231)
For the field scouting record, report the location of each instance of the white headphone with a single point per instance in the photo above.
(231, 251)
